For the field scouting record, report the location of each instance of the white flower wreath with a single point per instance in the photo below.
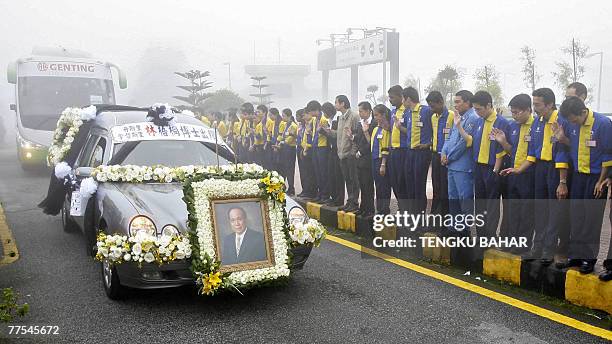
(207, 190)
(67, 129)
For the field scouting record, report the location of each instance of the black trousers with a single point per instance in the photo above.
(366, 184)
(608, 262)
(521, 205)
(307, 177)
(336, 185)
(349, 172)
(439, 181)
(586, 219)
(487, 190)
(286, 163)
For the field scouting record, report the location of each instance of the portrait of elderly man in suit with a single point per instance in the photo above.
(243, 244)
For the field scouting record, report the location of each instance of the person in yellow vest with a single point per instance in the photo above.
(379, 145)
(307, 172)
(263, 112)
(272, 128)
(234, 129)
(219, 123)
(441, 124)
(398, 147)
(521, 187)
(320, 149)
(257, 146)
(286, 149)
(205, 120)
(246, 133)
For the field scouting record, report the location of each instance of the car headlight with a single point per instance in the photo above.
(25, 144)
(142, 224)
(297, 215)
(169, 231)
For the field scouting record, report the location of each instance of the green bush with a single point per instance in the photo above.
(9, 307)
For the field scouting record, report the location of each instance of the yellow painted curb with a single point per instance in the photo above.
(440, 255)
(349, 219)
(528, 307)
(341, 220)
(313, 210)
(503, 266)
(9, 247)
(588, 290)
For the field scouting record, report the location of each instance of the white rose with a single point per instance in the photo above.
(127, 257)
(137, 248)
(149, 257)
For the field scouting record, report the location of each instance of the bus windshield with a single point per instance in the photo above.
(43, 98)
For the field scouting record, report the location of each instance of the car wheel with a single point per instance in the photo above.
(68, 224)
(110, 280)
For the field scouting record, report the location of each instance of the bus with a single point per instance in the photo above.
(47, 82)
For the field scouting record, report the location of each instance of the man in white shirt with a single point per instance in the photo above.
(244, 245)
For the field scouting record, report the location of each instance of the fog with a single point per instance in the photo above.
(150, 40)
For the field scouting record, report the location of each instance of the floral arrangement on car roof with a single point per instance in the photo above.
(68, 126)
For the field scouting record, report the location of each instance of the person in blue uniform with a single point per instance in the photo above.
(398, 148)
(488, 157)
(590, 140)
(379, 146)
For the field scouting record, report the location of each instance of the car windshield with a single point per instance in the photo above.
(43, 98)
(170, 153)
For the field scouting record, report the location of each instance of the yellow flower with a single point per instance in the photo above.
(266, 180)
(281, 197)
(211, 282)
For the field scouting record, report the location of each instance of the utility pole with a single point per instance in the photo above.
(574, 58)
(229, 74)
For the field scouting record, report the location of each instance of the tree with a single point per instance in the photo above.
(411, 81)
(487, 79)
(262, 97)
(572, 70)
(371, 95)
(222, 100)
(447, 82)
(198, 84)
(530, 76)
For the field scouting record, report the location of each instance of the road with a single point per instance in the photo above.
(338, 297)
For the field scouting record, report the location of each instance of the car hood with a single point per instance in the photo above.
(163, 202)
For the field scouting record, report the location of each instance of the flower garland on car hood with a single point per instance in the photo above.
(201, 185)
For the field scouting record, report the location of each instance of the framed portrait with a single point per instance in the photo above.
(242, 235)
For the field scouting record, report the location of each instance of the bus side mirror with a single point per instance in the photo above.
(11, 73)
(13, 107)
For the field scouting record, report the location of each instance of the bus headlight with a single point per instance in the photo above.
(25, 144)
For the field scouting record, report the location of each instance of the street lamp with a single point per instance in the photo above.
(229, 74)
(600, 72)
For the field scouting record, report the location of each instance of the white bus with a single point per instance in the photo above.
(45, 84)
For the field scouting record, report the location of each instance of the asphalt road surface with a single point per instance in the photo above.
(338, 297)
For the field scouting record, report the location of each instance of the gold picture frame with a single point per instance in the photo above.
(219, 238)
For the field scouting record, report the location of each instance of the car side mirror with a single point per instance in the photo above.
(13, 107)
(84, 172)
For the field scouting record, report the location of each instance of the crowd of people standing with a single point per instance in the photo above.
(545, 161)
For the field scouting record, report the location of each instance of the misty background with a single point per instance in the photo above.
(151, 40)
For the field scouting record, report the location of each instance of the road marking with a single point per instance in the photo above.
(9, 248)
(545, 313)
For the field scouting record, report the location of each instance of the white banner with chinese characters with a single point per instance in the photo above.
(147, 131)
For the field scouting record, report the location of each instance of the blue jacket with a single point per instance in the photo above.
(455, 148)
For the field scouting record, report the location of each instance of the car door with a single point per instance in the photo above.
(93, 155)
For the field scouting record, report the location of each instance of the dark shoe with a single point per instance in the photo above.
(586, 268)
(335, 204)
(367, 214)
(568, 263)
(605, 275)
(530, 256)
(546, 261)
(351, 209)
(358, 212)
